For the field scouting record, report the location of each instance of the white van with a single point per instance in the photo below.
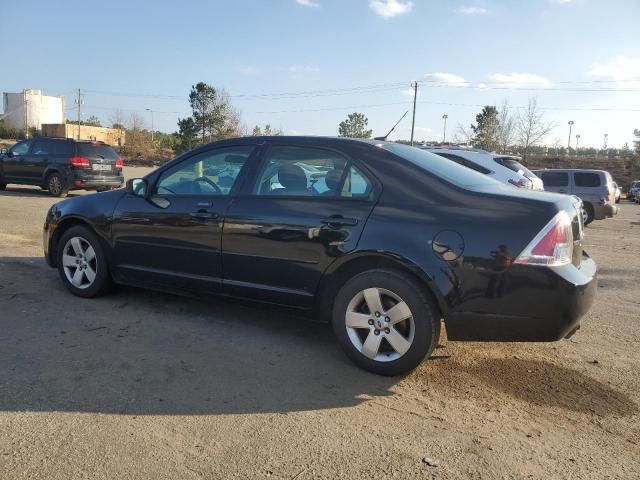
(504, 168)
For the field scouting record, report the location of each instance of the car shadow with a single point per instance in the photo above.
(33, 191)
(143, 353)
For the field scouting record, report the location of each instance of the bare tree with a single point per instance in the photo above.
(506, 128)
(118, 119)
(463, 135)
(531, 126)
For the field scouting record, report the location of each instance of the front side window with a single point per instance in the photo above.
(585, 179)
(555, 179)
(301, 171)
(208, 173)
(21, 148)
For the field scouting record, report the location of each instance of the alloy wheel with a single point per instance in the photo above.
(380, 324)
(55, 185)
(79, 262)
(585, 216)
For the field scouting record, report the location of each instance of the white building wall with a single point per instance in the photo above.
(37, 108)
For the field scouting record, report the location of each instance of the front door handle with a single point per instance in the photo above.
(339, 220)
(202, 215)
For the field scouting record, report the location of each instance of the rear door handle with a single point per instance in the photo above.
(340, 220)
(201, 215)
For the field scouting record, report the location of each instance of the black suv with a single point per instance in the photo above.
(60, 164)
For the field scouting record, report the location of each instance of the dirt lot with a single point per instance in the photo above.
(147, 385)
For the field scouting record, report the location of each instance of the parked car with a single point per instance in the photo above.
(401, 239)
(594, 187)
(504, 168)
(634, 188)
(60, 164)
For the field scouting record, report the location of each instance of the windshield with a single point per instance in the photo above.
(513, 164)
(440, 166)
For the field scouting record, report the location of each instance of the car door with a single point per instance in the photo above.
(301, 209)
(171, 240)
(13, 164)
(555, 181)
(37, 160)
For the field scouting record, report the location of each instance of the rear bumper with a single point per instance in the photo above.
(539, 304)
(96, 181)
(608, 210)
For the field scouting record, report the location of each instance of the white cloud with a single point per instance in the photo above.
(390, 8)
(442, 77)
(308, 3)
(519, 79)
(472, 10)
(618, 69)
(561, 2)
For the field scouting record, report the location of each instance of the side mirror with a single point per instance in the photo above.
(3, 151)
(138, 187)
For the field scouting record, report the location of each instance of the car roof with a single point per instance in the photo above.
(585, 170)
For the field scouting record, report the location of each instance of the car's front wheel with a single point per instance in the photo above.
(385, 322)
(587, 214)
(82, 263)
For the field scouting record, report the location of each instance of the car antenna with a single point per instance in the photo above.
(384, 139)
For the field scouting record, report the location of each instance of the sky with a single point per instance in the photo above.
(303, 65)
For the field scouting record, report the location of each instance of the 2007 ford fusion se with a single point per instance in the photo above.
(382, 239)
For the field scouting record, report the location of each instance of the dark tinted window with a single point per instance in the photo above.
(42, 147)
(64, 149)
(440, 166)
(515, 165)
(96, 150)
(555, 179)
(586, 179)
(467, 163)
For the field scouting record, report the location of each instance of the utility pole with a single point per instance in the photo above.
(571, 122)
(149, 110)
(413, 122)
(577, 142)
(26, 113)
(444, 128)
(79, 101)
(606, 141)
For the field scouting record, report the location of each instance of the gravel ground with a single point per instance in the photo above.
(147, 385)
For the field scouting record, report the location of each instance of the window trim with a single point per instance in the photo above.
(237, 185)
(252, 177)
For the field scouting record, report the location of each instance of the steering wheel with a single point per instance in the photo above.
(210, 183)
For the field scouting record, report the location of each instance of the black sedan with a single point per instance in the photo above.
(381, 239)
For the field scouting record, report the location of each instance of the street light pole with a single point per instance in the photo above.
(571, 122)
(444, 128)
(577, 142)
(149, 110)
(413, 121)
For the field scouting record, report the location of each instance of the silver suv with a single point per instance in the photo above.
(594, 187)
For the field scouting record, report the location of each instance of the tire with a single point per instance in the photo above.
(417, 335)
(3, 186)
(56, 184)
(73, 249)
(588, 209)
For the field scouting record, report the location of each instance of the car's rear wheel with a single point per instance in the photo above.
(3, 186)
(385, 322)
(82, 263)
(57, 185)
(587, 214)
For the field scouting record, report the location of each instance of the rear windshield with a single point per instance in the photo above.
(516, 166)
(91, 150)
(440, 166)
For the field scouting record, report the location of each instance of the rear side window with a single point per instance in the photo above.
(64, 149)
(42, 147)
(466, 163)
(96, 150)
(586, 179)
(555, 179)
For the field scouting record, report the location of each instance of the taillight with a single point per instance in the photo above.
(553, 246)
(119, 164)
(82, 162)
(522, 183)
